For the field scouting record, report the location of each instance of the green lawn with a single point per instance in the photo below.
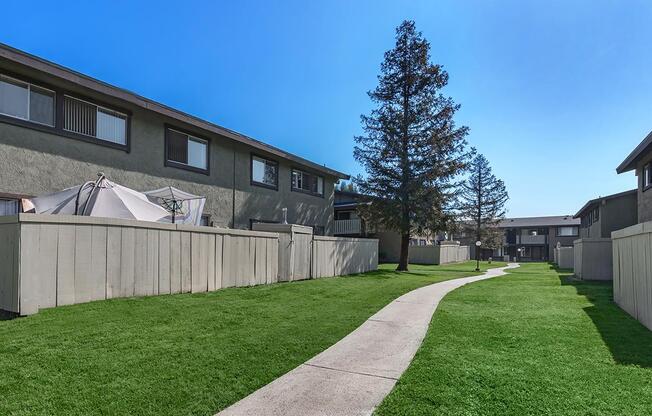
(530, 343)
(186, 354)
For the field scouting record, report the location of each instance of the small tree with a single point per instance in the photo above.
(411, 150)
(483, 200)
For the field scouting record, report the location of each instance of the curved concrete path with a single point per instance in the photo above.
(353, 376)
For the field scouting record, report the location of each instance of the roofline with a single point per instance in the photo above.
(628, 164)
(535, 218)
(600, 199)
(349, 193)
(51, 68)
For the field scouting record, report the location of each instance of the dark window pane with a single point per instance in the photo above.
(79, 117)
(41, 106)
(177, 147)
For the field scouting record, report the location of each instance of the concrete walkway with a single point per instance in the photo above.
(353, 376)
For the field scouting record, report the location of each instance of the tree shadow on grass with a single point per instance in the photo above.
(629, 342)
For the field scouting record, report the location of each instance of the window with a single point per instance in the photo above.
(343, 215)
(264, 172)
(186, 151)
(533, 232)
(92, 120)
(567, 231)
(647, 175)
(205, 220)
(307, 182)
(9, 207)
(26, 101)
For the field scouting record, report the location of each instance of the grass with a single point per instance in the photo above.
(534, 342)
(190, 354)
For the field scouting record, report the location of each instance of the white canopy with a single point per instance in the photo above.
(182, 207)
(101, 198)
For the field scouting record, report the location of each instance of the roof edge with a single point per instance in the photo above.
(594, 201)
(40, 64)
(627, 164)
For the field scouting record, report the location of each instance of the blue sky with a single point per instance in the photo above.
(556, 93)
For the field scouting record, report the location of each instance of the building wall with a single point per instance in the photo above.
(594, 230)
(618, 213)
(644, 197)
(34, 162)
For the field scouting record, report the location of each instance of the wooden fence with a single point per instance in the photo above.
(54, 260)
(438, 254)
(592, 258)
(563, 257)
(337, 256)
(632, 271)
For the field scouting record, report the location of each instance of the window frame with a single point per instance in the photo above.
(575, 227)
(57, 129)
(184, 166)
(98, 106)
(31, 84)
(253, 182)
(303, 191)
(646, 177)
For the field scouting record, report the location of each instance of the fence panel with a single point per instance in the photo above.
(53, 260)
(338, 256)
(632, 271)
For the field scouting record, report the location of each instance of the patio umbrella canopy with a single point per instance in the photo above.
(182, 207)
(101, 198)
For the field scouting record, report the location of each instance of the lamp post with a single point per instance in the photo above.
(477, 255)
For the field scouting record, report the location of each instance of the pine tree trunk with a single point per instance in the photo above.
(403, 258)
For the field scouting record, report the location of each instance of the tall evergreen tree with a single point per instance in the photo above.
(483, 200)
(411, 150)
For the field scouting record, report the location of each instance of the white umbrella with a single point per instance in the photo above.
(101, 198)
(183, 207)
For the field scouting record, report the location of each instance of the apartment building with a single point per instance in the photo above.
(59, 128)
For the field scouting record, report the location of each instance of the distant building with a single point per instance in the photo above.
(529, 238)
(348, 224)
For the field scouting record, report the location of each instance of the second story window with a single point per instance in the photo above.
(26, 101)
(186, 151)
(567, 231)
(264, 172)
(92, 120)
(307, 182)
(647, 175)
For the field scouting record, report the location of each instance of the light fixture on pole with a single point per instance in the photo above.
(477, 255)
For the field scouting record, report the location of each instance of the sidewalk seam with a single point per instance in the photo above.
(351, 372)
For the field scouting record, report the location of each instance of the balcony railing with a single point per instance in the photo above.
(348, 227)
(533, 239)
